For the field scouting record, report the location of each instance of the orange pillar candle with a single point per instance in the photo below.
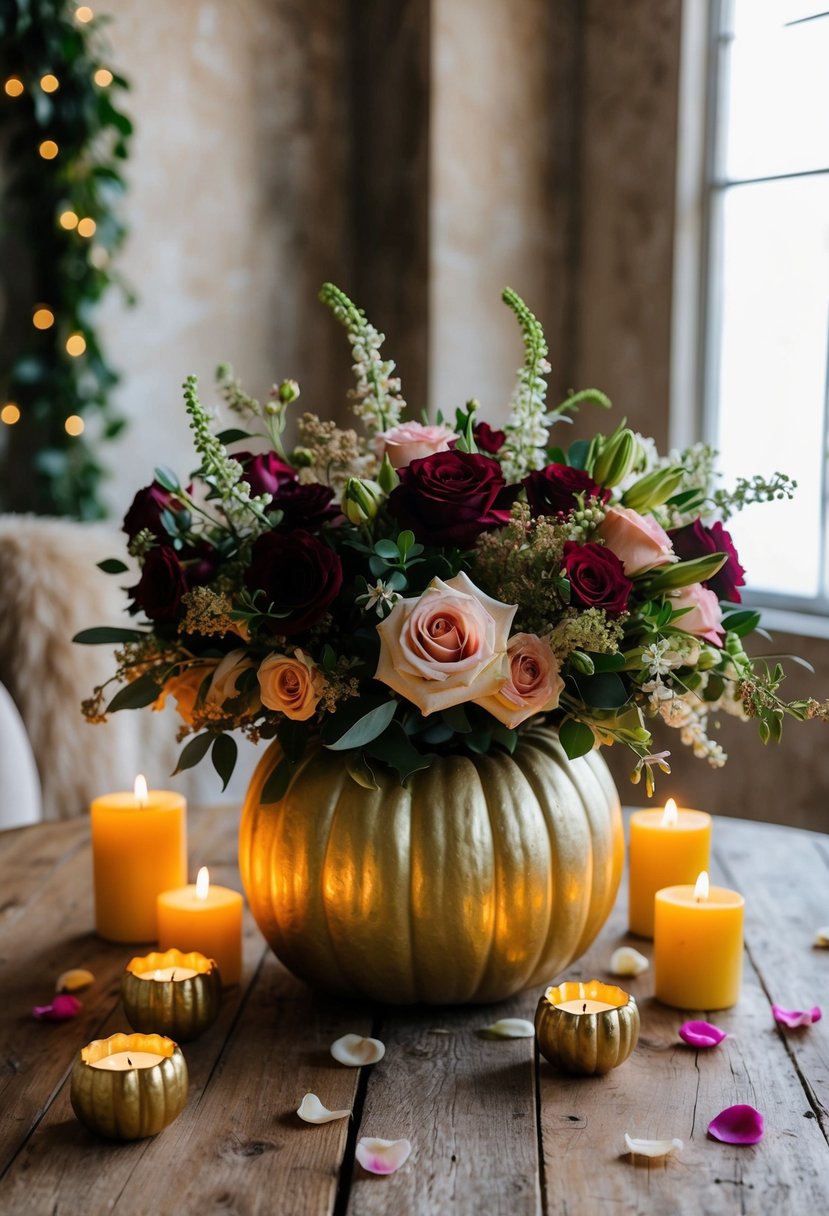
(666, 847)
(206, 918)
(139, 848)
(698, 946)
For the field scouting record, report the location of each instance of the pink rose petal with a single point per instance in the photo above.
(701, 1034)
(796, 1017)
(62, 1008)
(740, 1124)
(382, 1156)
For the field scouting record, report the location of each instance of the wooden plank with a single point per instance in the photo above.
(28, 860)
(468, 1106)
(238, 1146)
(666, 1090)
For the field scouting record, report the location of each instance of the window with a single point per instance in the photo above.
(766, 327)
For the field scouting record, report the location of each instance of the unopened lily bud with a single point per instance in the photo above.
(616, 458)
(361, 500)
(288, 391)
(653, 489)
(709, 656)
(302, 458)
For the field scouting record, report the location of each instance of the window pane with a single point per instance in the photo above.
(772, 375)
(776, 107)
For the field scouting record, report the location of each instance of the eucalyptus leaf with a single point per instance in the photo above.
(167, 478)
(223, 756)
(136, 695)
(365, 729)
(113, 565)
(360, 770)
(107, 633)
(193, 752)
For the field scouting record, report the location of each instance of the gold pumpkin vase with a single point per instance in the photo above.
(481, 877)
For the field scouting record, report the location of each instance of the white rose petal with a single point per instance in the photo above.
(509, 1028)
(354, 1050)
(311, 1110)
(653, 1148)
(382, 1156)
(627, 961)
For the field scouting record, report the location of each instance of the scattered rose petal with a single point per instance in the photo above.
(61, 1009)
(509, 1028)
(381, 1156)
(75, 980)
(822, 936)
(653, 1148)
(354, 1050)
(701, 1034)
(627, 961)
(796, 1017)
(312, 1111)
(740, 1124)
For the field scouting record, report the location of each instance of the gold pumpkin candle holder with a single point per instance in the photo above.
(129, 1086)
(172, 993)
(586, 1028)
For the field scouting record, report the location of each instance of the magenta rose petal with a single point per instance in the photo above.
(741, 1124)
(62, 1007)
(701, 1034)
(796, 1017)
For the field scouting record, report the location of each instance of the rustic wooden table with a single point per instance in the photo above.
(494, 1130)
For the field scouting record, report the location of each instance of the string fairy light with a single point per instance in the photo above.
(84, 14)
(74, 425)
(48, 149)
(49, 83)
(10, 413)
(103, 78)
(68, 220)
(14, 87)
(75, 345)
(86, 227)
(43, 318)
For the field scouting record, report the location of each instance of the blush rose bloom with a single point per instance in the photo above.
(446, 646)
(704, 620)
(638, 541)
(223, 685)
(291, 684)
(410, 441)
(533, 686)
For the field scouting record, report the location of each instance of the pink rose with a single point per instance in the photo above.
(446, 646)
(637, 540)
(704, 618)
(410, 441)
(291, 684)
(533, 685)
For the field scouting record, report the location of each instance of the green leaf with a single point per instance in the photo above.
(113, 565)
(387, 549)
(232, 435)
(193, 752)
(277, 783)
(107, 633)
(405, 542)
(576, 738)
(456, 719)
(683, 574)
(741, 623)
(167, 478)
(329, 658)
(365, 729)
(479, 740)
(577, 453)
(394, 748)
(136, 695)
(224, 757)
(359, 770)
(505, 736)
(608, 662)
(604, 691)
(292, 737)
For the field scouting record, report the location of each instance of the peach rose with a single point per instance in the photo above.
(637, 540)
(184, 689)
(291, 684)
(704, 618)
(533, 685)
(446, 646)
(410, 441)
(223, 685)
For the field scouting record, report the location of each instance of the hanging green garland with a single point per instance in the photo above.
(63, 141)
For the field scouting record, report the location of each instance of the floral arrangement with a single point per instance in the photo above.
(420, 588)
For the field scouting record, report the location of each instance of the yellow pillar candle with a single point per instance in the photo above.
(698, 946)
(666, 848)
(206, 918)
(139, 848)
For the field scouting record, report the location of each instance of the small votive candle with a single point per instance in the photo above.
(666, 847)
(129, 1085)
(177, 994)
(586, 1028)
(698, 946)
(205, 918)
(139, 848)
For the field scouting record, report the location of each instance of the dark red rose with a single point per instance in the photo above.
(298, 574)
(305, 506)
(597, 577)
(487, 439)
(698, 540)
(199, 563)
(162, 584)
(450, 498)
(553, 490)
(146, 509)
(264, 471)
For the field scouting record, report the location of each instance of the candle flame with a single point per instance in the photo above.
(702, 887)
(140, 789)
(671, 815)
(202, 883)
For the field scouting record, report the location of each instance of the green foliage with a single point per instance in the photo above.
(57, 267)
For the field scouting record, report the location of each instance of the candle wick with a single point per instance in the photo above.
(173, 976)
(584, 1007)
(129, 1061)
